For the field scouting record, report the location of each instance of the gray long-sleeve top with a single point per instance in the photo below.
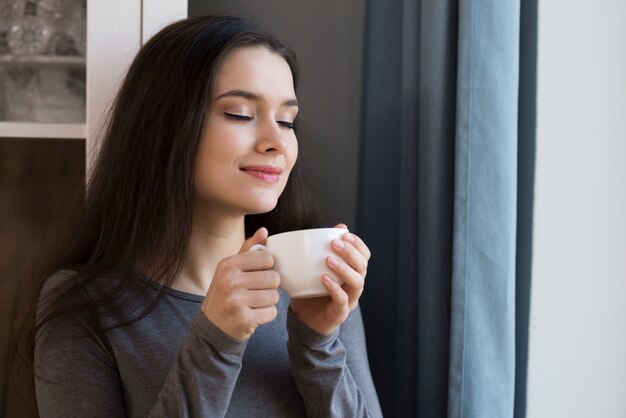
(176, 363)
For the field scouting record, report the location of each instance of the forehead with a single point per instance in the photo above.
(256, 69)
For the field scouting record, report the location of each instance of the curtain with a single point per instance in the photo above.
(438, 204)
(482, 339)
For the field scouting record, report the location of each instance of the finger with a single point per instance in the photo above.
(256, 261)
(338, 296)
(350, 277)
(259, 280)
(351, 255)
(264, 315)
(353, 296)
(259, 237)
(358, 244)
(344, 226)
(262, 298)
(248, 262)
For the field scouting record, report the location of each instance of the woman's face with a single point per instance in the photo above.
(248, 146)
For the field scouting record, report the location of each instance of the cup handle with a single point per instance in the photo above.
(258, 247)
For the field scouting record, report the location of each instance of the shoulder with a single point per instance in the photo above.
(67, 288)
(55, 289)
(56, 280)
(73, 284)
(71, 298)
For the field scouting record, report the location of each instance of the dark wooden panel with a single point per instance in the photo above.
(38, 179)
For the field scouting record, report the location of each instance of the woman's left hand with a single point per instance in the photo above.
(326, 314)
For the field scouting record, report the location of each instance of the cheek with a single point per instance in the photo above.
(293, 154)
(290, 159)
(210, 166)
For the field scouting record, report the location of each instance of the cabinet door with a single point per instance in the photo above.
(39, 179)
(48, 144)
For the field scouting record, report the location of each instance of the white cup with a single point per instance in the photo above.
(300, 259)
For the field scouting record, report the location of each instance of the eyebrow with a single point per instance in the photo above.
(251, 96)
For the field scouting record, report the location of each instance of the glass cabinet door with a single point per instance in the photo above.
(42, 61)
(42, 87)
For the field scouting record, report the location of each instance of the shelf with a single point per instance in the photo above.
(64, 61)
(43, 130)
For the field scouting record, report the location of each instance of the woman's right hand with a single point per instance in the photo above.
(243, 293)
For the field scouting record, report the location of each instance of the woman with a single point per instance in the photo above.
(154, 307)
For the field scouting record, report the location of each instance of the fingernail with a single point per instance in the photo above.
(339, 244)
(333, 261)
(327, 280)
(349, 237)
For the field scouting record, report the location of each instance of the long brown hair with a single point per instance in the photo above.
(139, 199)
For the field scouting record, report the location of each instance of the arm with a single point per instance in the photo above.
(241, 297)
(80, 373)
(77, 373)
(326, 339)
(204, 374)
(332, 371)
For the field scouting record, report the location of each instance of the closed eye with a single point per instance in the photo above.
(284, 124)
(243, 118)
(240, 118)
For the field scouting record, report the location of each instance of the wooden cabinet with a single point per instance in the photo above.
(43, 165)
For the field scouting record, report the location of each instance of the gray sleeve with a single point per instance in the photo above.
(77, 375)
(75, 372)
(332, 371)
(204, 374)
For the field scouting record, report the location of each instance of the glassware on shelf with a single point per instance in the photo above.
(4, 47)
(29, 35)
(42, 74)
(79, 37)
(52, 10)
(61, 96)
(21, 85)
(61, 44)
(6, 15)
(44, 94)
(74, 25)
(33, 23)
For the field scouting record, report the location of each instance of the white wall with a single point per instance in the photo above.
(577, 345)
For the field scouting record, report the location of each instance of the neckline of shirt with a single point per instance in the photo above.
(172, 292)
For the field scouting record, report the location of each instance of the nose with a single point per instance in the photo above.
(271, 138)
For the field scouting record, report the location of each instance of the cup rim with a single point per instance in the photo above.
(309, 230)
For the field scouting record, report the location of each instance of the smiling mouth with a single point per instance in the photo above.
(267, 174)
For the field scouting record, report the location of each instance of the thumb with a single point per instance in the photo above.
(259, 237)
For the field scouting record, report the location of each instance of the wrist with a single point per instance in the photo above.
(315, 330)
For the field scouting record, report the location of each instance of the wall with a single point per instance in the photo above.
(578, 311)
(327, 37)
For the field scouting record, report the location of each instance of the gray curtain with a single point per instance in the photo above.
(438, 199)
(406, 199)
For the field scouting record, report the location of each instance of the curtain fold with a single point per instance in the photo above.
(482, 340)
(406, 200)
(437, 204)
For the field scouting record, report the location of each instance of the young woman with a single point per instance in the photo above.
(153, 306)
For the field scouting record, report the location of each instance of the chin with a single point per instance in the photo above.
(261, 207)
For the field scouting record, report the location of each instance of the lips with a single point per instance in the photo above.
(266, 173)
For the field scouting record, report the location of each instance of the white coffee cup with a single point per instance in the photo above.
(300, 259)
